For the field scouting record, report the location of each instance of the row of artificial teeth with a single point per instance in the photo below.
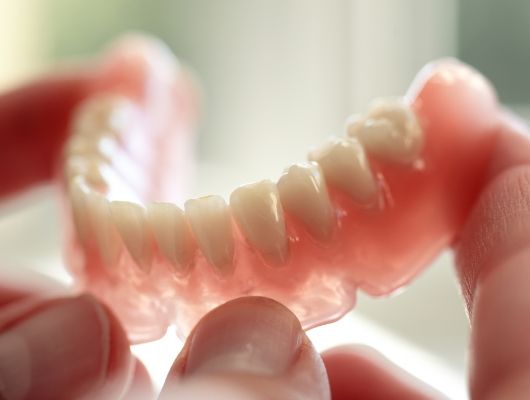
(389, 131)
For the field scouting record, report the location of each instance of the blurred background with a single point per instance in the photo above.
(277, 77)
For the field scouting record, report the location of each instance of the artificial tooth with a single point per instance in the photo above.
(88, 167)
(77, 193)
(257, 209)
(104, 113)
(130, 221)
(304, 195)
(172, 233)
(102, 146)
(105, 237)
(390, 130)
(345, 165)
(209, 219)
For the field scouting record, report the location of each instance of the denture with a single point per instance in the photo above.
(368, 209)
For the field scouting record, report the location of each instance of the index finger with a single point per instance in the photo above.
(16, 286)
(33, 125)
(493, 262)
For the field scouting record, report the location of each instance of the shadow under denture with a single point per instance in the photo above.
(370, 209)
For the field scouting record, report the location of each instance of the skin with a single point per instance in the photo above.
(42, 329)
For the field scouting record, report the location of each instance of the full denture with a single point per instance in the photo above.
(368, 209)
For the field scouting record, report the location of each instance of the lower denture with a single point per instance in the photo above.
(358, 215)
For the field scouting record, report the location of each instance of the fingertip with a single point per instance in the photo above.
(512, 147)
(141, 386)
(66, 348)
(120, 366)
(499, 218)
(360, 372)
(250, 345)
(493, 259)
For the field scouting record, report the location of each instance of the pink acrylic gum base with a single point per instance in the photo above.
(422, 208)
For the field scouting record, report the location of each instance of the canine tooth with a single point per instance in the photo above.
(257, 209)
(209, 218)
(105, 113)
(391, 131)
(172, 233)
(344, 164)
(304, 194)
(106, 240)
(130, 221)
(77, 193)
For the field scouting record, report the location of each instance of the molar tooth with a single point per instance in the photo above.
(106, 239)
(100, 145)
(172, 233)
(390, 130)
(259, 214)
(304, 194)
(344, 164)
(88, 167)
(104, 113)
(209, 219)
(354, 123)
(130, 221)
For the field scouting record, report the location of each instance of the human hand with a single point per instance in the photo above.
(255, 348)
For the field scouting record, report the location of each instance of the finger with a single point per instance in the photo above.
(17, 285)
(359, 372)
(141, 386)
(493, 261)
(63, 349)
(33, 126)
(249, 348)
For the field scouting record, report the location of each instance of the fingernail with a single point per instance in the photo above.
(252, 335)
(60, 350)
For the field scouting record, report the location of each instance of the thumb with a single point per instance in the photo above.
(249, 348)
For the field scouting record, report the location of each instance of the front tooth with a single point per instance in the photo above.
(256, 208)
(209, 218)
(172, 233)
(345, 165)
(130, 221)
(104, 113)
(106, 240)
(88, 167)
(304, 194)
(391, 131)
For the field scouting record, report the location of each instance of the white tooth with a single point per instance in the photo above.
(172, 233)
(88, 167)
(106, 239)
(209, 219)
(130, 221)
(391, 131)
(77, 193)
(257, 209)
(102, 146)
(345, 165)
(105, 113)
(304, 195)
(354, 123)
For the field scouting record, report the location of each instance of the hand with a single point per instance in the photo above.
(60, 347)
